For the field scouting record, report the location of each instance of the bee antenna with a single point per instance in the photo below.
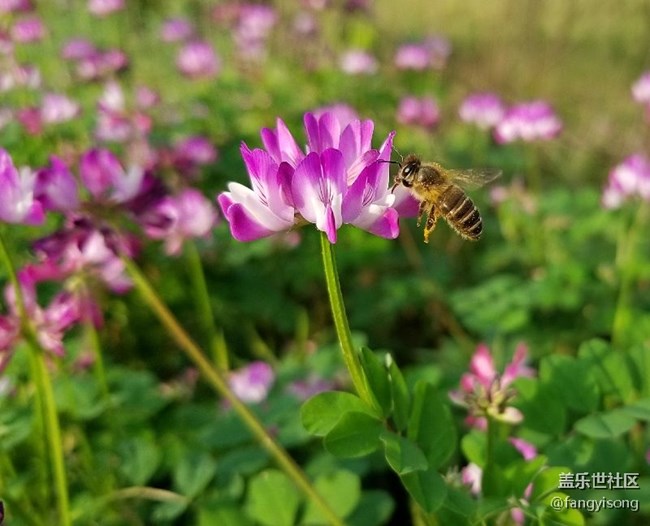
(401, 157)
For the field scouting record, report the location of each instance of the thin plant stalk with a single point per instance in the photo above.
(625, 252)
(217, 381)
(350, 355)
(206, 314)
(96, 348)
(45, 392)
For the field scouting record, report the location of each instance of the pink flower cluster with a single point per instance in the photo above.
(338, 180)
(629, 179)
(526, 121)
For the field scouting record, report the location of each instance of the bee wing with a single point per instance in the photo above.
(474, 177)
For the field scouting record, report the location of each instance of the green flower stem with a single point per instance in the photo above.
(350, 355)
(206, 314)
(45, 392)
(625, 252)
(216, 379)
(490, 479)
(96, 348)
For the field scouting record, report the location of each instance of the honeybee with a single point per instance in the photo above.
(440, 192)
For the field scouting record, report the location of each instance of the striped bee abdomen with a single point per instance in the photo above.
(460, 212)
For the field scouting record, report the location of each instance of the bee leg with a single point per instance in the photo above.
(421, 212)
(432, 217)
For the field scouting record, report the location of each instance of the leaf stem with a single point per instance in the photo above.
(216, 380)
(350, 355)
(45, 392)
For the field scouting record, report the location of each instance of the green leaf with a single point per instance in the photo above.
(193, 473)
(399, 395)
(639, 409)
(341, 490)
(140, 457)
(431, 425)
(571, 381)
(544, 411)
(640, 355)
(402, 455)
(473, 446)
(223, 513)
(547, 482)
(355, 434)
(375, 507)
(378, 380)
(605, 425)
(321, 412)
(458, 508)
(272, 499)
(168, 511)
(427, 488)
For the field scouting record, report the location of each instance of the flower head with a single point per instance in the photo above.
(253, 382)
(483, 109)
(176, 30)
(198, 59)
(105, 7)
(419, 112)
(432, 52)
(17, 203)
(628, 179)
(28, 30)
(486, 393)
(641, 89)
(528, 121)
(176, 218)
(339, 180)
(358, 62)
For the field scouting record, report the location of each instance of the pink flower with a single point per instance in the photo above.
(105, 7)
(197, 59)
(176, 30)
(15, 6)
(341, 180)
(104, 177)
(57, 108)
(486, 393)
(528, 121)
(28, 30)
(253, 29)
(483, 109)
(419, 112)
(56, 187)
(641, 89)
(176, 218)
(626, 180)
(358, 62)
(77, 49)
(252, 383)
(17, 203)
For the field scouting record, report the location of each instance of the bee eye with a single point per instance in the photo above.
(408, 170)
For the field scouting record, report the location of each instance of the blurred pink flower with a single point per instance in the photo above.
(631, 178)
(177, 218)
(358, 62)
(15, 6)
(17, 203)
(486, 393)
(252, 383)
(310, 386)
(57, 108)
(176, 30)
(416, 111)
(198, 59)
(56, 187)
(103, 176)
(528, 121)
(28, 30)
(105, 7)
(483, 109)
(78, 48)
(641, 89)
(253, 28)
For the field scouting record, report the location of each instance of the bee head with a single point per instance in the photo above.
(409, 168)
